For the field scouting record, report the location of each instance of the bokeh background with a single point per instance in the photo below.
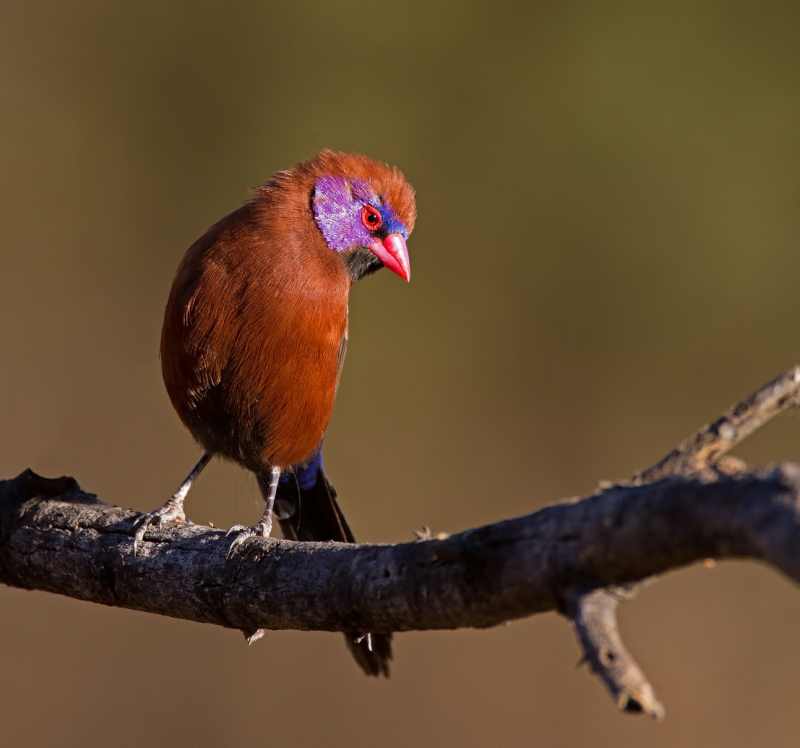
(606, 257)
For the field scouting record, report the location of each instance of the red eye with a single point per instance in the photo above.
(371, 218)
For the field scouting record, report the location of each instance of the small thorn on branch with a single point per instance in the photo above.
(425, 533)
(253, 636)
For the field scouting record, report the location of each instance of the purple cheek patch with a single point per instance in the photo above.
(337, 212)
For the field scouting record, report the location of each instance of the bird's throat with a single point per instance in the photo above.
(361, 262)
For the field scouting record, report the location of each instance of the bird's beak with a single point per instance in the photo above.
(393, 253)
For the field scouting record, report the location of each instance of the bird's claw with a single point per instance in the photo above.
(261, 530)
(243, 533)
(170, 512)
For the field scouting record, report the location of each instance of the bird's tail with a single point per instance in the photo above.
(307, 509)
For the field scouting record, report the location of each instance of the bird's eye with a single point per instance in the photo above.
(371, 218)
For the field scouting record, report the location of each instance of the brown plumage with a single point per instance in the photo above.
(256, 320)
(255, 332)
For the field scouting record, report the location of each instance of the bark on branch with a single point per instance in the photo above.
(578, 557)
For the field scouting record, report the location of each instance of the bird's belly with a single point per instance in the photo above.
(295, 426)
(273, 405)
(276, 426)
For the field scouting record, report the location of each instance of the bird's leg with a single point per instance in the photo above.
(268, 483)
(172, 509)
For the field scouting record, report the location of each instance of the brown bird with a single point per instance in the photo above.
(255, 334)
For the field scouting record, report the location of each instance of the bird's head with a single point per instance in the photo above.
(364, 210)
(358, 221)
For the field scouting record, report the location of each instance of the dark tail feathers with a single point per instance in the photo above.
(312, 513)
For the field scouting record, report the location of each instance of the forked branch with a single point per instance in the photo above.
(578, 557)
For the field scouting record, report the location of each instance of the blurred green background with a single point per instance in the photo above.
(606, 257)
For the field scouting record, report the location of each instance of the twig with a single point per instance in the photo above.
(706, 446)
(594, 615)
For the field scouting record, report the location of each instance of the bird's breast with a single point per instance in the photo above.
(290, 379)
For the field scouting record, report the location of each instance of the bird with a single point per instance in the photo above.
(255, 334)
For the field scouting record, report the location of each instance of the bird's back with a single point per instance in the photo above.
(252, 337)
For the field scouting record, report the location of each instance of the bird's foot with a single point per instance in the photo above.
(172, 511)
(261, 530)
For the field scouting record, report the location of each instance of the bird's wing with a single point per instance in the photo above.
(198, 336)
(342, 350)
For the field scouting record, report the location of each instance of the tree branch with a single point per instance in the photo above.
(703, 453)
(576, 557)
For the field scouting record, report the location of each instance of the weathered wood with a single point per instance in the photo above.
(577, 557)
(54, 537)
